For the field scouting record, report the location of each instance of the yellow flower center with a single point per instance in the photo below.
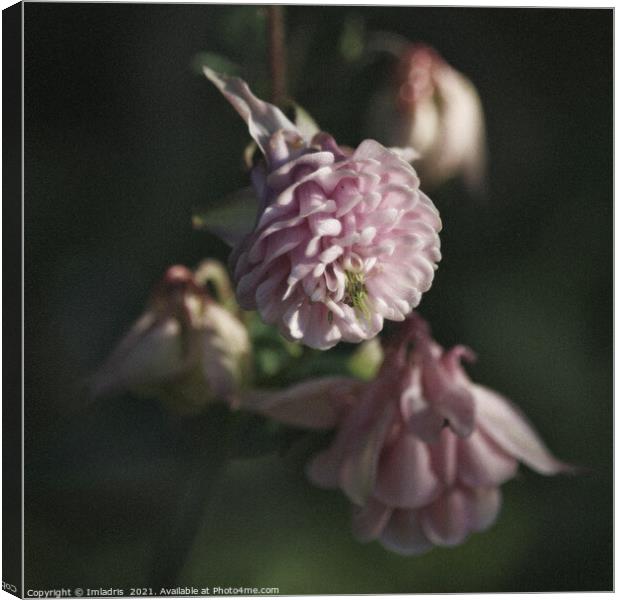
(355, 293)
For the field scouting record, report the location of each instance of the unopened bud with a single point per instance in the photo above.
(186, 349)
(430, 106)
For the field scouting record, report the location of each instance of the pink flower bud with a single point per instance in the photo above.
(433, 108)
(342, 239)
(186, 349)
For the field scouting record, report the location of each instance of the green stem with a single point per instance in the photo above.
(213, 272)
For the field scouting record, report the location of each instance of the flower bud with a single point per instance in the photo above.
(186, 349)
(433, 108)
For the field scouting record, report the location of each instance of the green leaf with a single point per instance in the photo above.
(269, 361)
(215, 61)
(304, 122)
(233, 217)
(366, 360)
(352, 38)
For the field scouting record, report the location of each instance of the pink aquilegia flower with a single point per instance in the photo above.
(342, 239)
(432, 107)
(186, 349)
(424, 450)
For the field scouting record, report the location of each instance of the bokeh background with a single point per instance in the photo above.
(124, 139)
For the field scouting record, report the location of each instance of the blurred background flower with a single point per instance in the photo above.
(433, 108)
(120, 130)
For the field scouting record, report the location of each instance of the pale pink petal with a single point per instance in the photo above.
(444, 457)
(314, 404)
(425, 422)
(263, 119)
(419, 415)
(269, 287)
(296, 319)
(370, 149)
(483, 505)
(225, 348)
(426, 204)
(445, 522)
(405, 476)
(403, 534)
(356, 328)
(407, 153)
(410, 378)
(451, 361)
(325, 468)
(274, 305)
(370, 520)
(319, 332)
(267, 250)
(365, 432)
(507, 426)
(482, 462)
(247, 285)
(152, 351)
(326, 142)
(449, 398)
(288, 173)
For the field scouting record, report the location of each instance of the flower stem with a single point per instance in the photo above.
(213, 272)
(277, 53)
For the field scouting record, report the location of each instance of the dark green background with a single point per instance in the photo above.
(123, 139)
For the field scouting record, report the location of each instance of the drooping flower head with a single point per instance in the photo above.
(342, 239)
(431, 106)
(186, 349)
(423, 451)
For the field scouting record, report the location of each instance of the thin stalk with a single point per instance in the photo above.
(277, 53)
